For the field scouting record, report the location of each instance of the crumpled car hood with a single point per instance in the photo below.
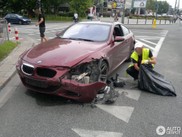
(61, 52)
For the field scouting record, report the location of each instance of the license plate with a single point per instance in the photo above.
(36, 83)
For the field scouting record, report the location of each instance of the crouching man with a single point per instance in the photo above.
(140, 56)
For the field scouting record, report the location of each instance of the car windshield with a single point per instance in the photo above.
(87, 32)
(19, 16)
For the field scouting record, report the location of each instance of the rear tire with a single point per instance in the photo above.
(20, 22)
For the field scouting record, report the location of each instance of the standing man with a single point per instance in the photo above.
(41, 23)
(75, 17)
(140, 56)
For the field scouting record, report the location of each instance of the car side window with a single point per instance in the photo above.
(14, 16)
(125, 30)
(11, 16)
(8, 16)
(118, 31)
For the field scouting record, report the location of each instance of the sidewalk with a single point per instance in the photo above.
(7, 66)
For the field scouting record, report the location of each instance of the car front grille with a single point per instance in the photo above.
(27, 69)
(43, 72)
(46, 72)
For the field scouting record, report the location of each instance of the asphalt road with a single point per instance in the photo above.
(134, 114)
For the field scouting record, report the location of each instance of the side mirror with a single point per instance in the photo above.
(119, 39)
(59, 33)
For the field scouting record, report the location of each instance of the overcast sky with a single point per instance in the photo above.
(172, 2)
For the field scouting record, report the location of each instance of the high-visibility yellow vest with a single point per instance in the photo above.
(145, 55)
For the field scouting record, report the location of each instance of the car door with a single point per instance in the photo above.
(129, 40)
(118, 49)
(12, 18)
(15, 18)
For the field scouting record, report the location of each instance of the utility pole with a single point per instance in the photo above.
(123, 11)
(156, 8)
(178, 4)
(175, 6)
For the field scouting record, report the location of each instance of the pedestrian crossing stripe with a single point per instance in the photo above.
(121, 112)
(155, 49)
(13, 38)
(94, 133)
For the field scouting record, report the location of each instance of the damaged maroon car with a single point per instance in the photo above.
(77, 62)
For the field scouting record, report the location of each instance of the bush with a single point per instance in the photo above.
(58, 18)
(66, 14)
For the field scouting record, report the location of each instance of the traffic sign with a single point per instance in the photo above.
(139, 3)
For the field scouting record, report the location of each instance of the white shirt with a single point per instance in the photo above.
(75, 15)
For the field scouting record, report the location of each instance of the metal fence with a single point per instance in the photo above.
(140, 21)
(4, 34)
(148, 21)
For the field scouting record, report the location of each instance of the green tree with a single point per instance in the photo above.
(151, 5)
(28, 6)
(80, 6)
(17, 6)
(163, 7)
(98, 2)
(53, 4)
(3, 5)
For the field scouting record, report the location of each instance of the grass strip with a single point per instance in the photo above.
(6, 48)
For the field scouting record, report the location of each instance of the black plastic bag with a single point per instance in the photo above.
(151, 81)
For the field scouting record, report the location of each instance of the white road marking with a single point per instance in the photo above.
(148, 46)
(164, 32)
(13, 38)
(147, 37)
(32, 30)
(93, 133)
(149, 42)
(157, 45)
(121, 112)
(32, 34)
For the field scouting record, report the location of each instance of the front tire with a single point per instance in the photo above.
(104, 68)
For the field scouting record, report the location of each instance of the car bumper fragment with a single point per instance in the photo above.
(80, 92)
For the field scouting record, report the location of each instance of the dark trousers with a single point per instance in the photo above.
(133, 72)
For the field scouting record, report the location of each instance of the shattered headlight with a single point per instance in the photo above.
(84, 73)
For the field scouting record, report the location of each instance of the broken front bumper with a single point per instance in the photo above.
(66, 88)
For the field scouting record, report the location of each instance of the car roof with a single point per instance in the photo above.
(100, 22)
